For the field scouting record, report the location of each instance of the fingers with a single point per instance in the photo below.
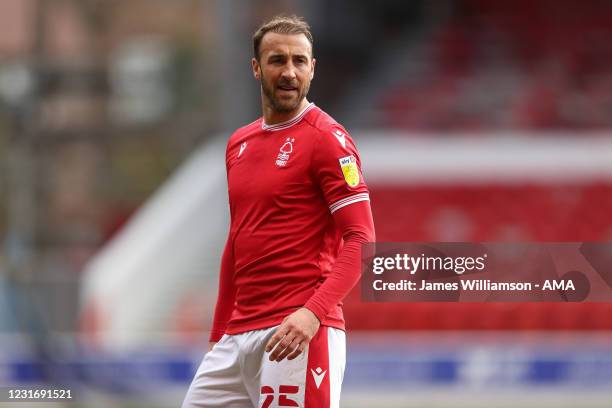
(299, 350)
(276, 337)
(282, 345)
(290, 349)
(292, 344)
(293, 335)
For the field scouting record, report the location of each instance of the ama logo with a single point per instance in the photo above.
(551, 284)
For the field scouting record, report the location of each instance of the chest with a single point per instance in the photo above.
(265, 167)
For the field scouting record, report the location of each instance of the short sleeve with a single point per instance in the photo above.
(337, 169)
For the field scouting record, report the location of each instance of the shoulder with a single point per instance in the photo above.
(239, 137)
(243, 132)
(329, 133)
(322, 121)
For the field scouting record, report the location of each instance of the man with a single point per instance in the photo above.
(299, 213)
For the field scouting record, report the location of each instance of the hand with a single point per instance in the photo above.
(211, 344)
(293, 335)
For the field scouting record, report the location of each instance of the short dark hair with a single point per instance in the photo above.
(282, 25)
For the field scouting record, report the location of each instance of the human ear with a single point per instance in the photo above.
(314, 61)
(256, 69)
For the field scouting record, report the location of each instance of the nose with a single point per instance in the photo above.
(289, 71)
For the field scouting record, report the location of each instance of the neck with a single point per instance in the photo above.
(272, 117)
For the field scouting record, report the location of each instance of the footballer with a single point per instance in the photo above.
(300, 210)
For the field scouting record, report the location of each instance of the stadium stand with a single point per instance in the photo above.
(509, 65)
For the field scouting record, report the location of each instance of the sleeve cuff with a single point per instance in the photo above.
(317, 310)
(348, 201)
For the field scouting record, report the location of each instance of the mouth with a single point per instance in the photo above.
(286, 88)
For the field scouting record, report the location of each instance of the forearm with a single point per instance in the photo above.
(226, 294)
(355, 222)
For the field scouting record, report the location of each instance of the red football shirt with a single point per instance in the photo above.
(284, 183)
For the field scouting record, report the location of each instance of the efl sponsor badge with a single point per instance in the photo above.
(349, 168)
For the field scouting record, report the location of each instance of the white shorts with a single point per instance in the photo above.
(237, 373)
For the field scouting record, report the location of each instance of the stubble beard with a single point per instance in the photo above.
(280, 105)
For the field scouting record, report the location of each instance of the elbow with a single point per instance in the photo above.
(360, 233)
(356, 223)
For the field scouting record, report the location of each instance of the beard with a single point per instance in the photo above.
(284, 104)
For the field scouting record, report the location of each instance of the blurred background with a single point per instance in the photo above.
(476, 121)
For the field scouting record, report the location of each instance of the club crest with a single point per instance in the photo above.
(285, 152)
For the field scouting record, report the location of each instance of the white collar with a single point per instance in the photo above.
(288, 123)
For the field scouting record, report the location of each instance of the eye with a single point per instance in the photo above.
(277, 60)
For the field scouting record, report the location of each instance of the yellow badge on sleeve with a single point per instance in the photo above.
(350, 171)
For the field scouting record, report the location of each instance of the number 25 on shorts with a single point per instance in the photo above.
(283, 398)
